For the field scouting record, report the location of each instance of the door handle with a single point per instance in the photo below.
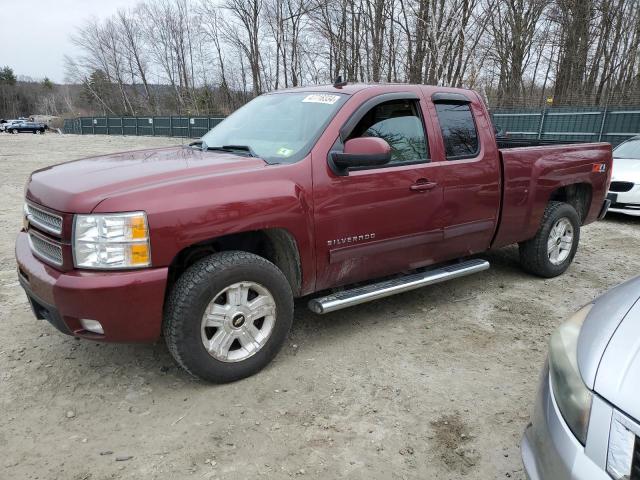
(423, 186)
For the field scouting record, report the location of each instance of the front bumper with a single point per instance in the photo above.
(549, 449)
(625, 202)
(128, 304)
(627, 211)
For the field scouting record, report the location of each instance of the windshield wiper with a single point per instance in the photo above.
(237, 149)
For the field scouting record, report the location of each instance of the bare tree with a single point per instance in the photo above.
(214, 55)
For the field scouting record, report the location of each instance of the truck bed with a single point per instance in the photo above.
(532, 175)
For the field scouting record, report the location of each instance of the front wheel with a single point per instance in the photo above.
(552, 250)
(228, 316)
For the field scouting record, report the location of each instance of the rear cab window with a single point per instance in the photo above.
(459, 131)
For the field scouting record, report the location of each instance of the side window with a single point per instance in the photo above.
(458, 130)
(399, 123)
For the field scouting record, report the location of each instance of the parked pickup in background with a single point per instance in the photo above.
(342, 193)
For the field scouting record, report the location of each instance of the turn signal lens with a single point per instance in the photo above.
(138, 226)
(139, 254)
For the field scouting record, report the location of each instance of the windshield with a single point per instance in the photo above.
(630, 149)
(277, 127)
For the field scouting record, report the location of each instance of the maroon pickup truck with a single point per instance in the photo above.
(350, 192)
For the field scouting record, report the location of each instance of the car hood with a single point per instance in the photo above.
(626, 170)
(609, 347)
(619, 372)
(78, 186)
(600, 325)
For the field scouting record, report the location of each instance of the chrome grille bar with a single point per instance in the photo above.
(47, 221)
(46, 250)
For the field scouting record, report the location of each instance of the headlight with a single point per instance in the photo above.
(571, 394)
(114, 240)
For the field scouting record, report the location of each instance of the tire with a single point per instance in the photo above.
(211, 285)
(14, 131)
(539, 255)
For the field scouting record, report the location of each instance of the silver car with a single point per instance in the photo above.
(624, 191)
(586, 422)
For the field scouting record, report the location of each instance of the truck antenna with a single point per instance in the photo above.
(338, 83)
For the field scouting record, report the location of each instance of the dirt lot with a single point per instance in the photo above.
(431, 384)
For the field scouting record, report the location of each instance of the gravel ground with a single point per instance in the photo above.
(437, 383)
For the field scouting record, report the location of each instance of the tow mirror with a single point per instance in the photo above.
(361, 152)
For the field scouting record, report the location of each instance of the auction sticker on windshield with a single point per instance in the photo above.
(285, 152)
(317, 98)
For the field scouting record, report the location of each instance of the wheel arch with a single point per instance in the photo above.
(578, 195)
(277, 245)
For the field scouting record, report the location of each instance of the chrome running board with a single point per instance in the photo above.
(374, 291)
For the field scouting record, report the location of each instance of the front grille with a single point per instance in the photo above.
(635, 464)
(621, 186)
(45, 220)
(45, 249)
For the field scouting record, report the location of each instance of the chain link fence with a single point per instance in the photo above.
(569, 124)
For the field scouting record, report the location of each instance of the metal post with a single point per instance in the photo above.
(171, 125)
(604, 119)
(544, 111)
(153, 126)
(137, 133)
(106, 121)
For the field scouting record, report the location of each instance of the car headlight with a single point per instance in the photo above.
(111, 241)
(572, 395)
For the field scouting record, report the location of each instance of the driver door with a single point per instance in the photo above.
(380, 220)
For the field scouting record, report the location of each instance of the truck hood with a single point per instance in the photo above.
(626, 170)
(618, 375)
(600, 326)
(78, 186)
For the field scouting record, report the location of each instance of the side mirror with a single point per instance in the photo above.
(361, 152)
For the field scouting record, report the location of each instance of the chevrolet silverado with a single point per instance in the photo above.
(344, 194)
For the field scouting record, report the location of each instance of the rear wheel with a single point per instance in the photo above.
(552, 250)
(228, 316)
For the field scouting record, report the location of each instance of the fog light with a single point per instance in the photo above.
(92, 326)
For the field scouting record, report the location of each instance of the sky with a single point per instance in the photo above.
(35, 34)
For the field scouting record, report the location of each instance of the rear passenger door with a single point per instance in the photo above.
(471, 175)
